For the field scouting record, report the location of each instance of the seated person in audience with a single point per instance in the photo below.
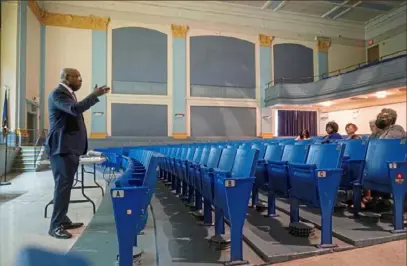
(304, 135)
(332, 130)
(375, 131)
(351, 131)
(386, 121)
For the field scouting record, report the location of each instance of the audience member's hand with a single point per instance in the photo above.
(99, 91)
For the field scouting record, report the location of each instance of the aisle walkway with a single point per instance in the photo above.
(22, 219)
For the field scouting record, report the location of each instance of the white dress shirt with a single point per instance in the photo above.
(70, 90)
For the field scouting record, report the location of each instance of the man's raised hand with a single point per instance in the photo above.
(99, 91)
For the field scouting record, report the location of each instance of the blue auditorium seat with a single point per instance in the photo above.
(278, 172)
(316, 183)
(384, 171)
(273, 152)
(353, 162)
(130, 203)
(231, 193)
(212, 161)
(32, 256)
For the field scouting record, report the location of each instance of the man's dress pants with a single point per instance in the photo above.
(64, 167)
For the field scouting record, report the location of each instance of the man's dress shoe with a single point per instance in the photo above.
(60, 233)
(68, 226)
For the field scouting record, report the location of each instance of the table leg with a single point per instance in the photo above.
(83, 189)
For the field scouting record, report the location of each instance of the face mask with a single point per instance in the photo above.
(381, 123)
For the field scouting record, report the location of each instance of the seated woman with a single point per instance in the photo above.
(332, 130)
(304, 135)
(351, 131)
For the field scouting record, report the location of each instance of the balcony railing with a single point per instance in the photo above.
(338, 72)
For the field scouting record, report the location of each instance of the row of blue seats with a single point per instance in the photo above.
(131, 195)
(223, 176)
(310, 174)
(313, 174)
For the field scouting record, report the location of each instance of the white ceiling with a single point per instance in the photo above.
(350, 10)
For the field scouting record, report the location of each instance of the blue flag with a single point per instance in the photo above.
(4, 123)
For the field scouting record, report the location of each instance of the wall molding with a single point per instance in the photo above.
(219, 16)
(68, 20)
(385, 23)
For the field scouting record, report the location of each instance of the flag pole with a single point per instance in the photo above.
(5, 183)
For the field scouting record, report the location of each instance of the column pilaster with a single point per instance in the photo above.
(179, 35)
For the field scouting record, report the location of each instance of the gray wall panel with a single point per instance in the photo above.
(219, 62)
(139, 56)
(293, 63)
(209, 121)
(139, 120)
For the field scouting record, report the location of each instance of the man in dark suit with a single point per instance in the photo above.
(66, 141)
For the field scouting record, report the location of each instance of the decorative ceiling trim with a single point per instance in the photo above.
(219, 17)
(68, 20)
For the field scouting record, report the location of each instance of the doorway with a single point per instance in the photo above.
(373, 54)
(32, 127)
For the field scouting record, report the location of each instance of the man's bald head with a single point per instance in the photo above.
(72, 78)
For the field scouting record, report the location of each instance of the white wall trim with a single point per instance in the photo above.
(218, 16)
(386, 22)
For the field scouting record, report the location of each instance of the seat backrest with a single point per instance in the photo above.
(184, 153)
(178, 153)
(355, 149)
(295, 153)
(286, 141)
(190, 153)
(151, 171)
(198, 154)
(245, 163)
(304, 142)
(381, 151)
(173, 152)
(205, 156)
(273, 152)
(227, 158)
(262, 149)
(326, 156)
(213, 158)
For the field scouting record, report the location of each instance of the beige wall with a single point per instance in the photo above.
(66, 47)
(33, 57)
(8, 57)
(342, 56)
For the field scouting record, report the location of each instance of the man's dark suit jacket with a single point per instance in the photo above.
(67, 130)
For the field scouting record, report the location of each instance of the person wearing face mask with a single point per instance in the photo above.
(66, 142)
(386, 121)
(376, 133)
(332, 130)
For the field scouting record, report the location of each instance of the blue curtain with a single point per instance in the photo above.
(291, 122)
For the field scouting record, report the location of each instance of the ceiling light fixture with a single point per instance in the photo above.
(326, 104)
(381, 94)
